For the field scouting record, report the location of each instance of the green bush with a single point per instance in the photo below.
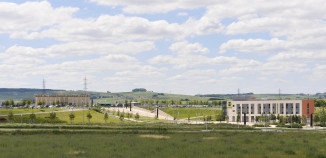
(294, 125)
(261, 125)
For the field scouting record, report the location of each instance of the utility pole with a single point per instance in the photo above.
(85, 89)
(43, 86)
(279, 93)
(238, 91)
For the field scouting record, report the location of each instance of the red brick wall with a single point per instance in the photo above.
(311, 107)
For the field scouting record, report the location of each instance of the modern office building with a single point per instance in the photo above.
(77, 100)
(255, 108)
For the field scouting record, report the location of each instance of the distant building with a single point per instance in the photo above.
(77, 100)
(256, 108)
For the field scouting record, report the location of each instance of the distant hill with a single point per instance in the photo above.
(25, 93)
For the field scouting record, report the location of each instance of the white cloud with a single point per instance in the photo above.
(156, 6)
(253, 45)
(189, 56)
(18, 19)
(79, 49)
(319, 73)
(111, 28)
(185, 48)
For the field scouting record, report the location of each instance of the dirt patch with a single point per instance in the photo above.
(155, 136)
(76, 152)
(209, 138)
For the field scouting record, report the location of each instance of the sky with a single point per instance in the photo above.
(172, 46)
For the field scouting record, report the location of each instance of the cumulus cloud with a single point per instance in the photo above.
(79, 49)
(18, 19)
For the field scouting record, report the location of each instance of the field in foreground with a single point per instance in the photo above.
(223, 144)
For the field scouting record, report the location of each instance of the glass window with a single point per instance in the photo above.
(267, 108)
(289, 108)
(297, 108)
(245, 108)
(274, 108)
(238, 109)
(252, 109)
(308, 109)
(259, 108)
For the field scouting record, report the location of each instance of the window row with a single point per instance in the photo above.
(268, 108)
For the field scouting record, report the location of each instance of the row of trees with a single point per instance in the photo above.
(279, 118)
(122, 115)
(24, 102)
(53, 117)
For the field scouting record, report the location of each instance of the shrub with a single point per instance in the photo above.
(294, 125)
(122, 116)
(11, 116)
(89, 117)
(261, 125)
(2, 119)
(97, 110)
(32, 117)
(137, 116)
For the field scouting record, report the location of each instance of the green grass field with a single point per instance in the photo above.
(120, 97)
(63, 117)
(181, 113)
(21, 111)
(223, 144)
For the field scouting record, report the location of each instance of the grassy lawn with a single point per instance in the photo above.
(223, 144)
(16, 111)
(96, 117)
(191, 112)
(63, 117)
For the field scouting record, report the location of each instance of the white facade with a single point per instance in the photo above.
(252, 109)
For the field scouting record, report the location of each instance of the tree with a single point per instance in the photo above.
(122, 116)
(22, 102)
(273, 117)
(281, 120)
(72, 117)
(209, 118)
(238, 117)
(32, 117)
(257, 118)
(137, 116)
(53, 116)
(89, 117)
(316, 117)
(10, 116)
(11, 102)
(29, 102)
(142, 101)
(322, 117)
(278, 117)
(304, 119)
(106, 117)
(320, 102)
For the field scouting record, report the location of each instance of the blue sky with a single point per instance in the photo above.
(188, 47)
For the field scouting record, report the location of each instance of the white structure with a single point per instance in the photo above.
(252, 109)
